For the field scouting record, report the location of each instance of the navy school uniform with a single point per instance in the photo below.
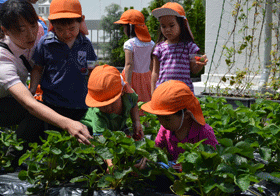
(65, 69)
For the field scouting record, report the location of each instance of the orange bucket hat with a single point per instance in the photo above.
(137, 19)
(67, 9)
(105, 86)
(171, 97)
(172, 9)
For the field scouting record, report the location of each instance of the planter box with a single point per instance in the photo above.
(231, 100)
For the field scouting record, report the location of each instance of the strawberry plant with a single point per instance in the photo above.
(8, 138)
(206, 171)
(61, 160)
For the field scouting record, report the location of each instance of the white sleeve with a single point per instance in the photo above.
(127, 45)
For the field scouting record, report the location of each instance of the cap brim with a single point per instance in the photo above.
(63, 15)
(121, 22)
(90, 102)
(142, 33)
(83, 27)
(147, 108)
(198, 117)
(165, 12)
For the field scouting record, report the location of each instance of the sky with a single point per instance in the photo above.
(95, 9)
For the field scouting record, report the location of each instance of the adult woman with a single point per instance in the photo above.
(17, 105)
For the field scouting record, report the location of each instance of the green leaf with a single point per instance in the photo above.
(22, 175)
(265, 153)
(226, 142)
(179, 187)
(53, 133)
(104, 152)
(226, 188)
(120, 174)
(23, 158)
(243, 182)
(78, 179)
(55, 151)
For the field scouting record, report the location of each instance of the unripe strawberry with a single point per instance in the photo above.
(202, 59)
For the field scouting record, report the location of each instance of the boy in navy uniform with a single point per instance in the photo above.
(61, 60)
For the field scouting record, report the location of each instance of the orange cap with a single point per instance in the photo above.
(137, 19)
(67, 9)
(171, 97)
(172, 9)
(105, 86)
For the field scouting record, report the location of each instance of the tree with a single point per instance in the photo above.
(114, 34)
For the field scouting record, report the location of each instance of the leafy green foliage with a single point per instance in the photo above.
(8, 139)
(61, 159)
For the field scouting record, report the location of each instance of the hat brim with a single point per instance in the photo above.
(63, 15)
(90, 102)
(196, 115)
(164, 12)
(142, 32)
(83, 27)
(121, 22)
(147, 108)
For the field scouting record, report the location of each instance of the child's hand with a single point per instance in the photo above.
(142, 164)
(109, 165)
(201, 60)
(138, 132)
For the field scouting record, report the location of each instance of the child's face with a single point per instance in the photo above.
(67, 33)
(174, 122)
(25, 36)
(170, 28)
(125, 29)
(115, 107)
(170, 122)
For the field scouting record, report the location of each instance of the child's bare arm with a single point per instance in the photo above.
(137, 127)
(35, 78)
(155, 73)
(196, 66)
(128, 65)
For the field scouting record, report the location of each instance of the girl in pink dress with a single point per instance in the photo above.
(137, 54)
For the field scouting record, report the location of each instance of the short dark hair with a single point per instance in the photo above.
(13, 10)
(66, 21)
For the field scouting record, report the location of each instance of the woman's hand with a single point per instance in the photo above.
(79, 131)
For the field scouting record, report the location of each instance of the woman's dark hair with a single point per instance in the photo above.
(184, 36)
(130, 30)
(66, 21)
(13, 10)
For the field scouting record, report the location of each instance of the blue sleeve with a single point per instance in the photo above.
(38, 56)
(91, 56)
(44, 26)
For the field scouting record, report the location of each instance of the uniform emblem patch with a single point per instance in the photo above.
(82, 57)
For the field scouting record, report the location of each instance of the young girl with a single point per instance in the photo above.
(181, 118)
(171, 56)
(137, 53)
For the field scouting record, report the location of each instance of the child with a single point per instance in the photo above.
(111, 101)
(137, 54)
(63, 54)
(181, 118)
(171, 56)
(17, 105)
